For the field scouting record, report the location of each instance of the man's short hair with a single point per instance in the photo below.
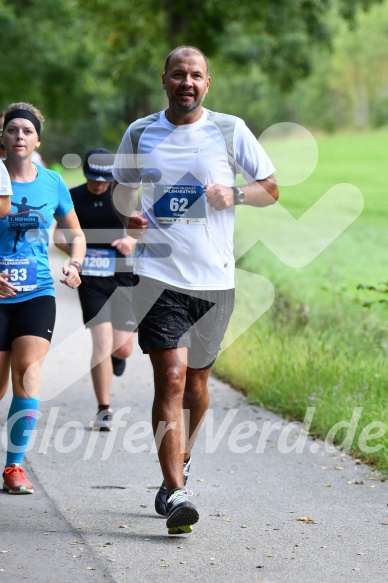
(188, 49)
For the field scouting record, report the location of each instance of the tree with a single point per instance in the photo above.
(97, 63)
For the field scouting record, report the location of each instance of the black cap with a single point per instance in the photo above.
(98, 164)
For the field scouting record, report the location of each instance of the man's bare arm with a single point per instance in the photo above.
(125, 202)
(259, 193)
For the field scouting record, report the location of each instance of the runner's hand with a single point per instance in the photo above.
(72, 278)
(7, 290)
(124, 245)
(219, 197)
(137, 225)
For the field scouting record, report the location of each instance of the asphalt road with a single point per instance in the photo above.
(267, 515)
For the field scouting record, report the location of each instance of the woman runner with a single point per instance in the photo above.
(27, 302)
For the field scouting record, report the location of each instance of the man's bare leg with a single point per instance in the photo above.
(170, 378)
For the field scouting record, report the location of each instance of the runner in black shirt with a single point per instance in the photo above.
(107, 279)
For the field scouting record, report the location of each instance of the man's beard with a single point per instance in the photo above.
(183, 107)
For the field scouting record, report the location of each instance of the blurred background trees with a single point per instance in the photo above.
(93, 66)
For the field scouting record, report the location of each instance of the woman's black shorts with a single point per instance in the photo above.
(35, 317)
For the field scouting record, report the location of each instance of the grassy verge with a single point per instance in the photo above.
(317, 346)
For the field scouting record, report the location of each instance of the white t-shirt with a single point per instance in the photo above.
(188, 244)
(5, 182)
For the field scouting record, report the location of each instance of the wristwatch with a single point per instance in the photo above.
(238, 195)
(77, 265)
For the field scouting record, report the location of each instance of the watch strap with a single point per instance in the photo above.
(238, 195)
(76, 264)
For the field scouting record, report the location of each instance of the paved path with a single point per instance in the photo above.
(92, 517)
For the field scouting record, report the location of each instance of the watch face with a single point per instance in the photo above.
(238, 195)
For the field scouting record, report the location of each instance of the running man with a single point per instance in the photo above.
(107, 279)
(186, 158)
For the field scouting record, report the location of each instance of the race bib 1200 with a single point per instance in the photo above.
(99, 262)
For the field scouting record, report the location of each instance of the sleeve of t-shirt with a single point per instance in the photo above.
(5, 182)
(65, 203)
(124, 168)
(250, 157)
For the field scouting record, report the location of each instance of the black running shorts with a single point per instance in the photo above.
(108, 299)
(35, 317)
(170, 317)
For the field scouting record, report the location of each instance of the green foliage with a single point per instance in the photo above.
(318, 345)
(94, 66)
(378, 290)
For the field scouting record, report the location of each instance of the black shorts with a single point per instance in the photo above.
(170, 317)
(35, 317)
(108, 299)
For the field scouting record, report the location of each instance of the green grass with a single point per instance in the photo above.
(72, 177)
(317, 346)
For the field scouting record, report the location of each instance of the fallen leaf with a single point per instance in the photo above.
(243, 526)
(143, 505)
(268, 555)
(164, 565)
(306, 519)
(123, 526)
(229, 520)
(90, 569)
(328, 485)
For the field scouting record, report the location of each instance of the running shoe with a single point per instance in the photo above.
(161, 496)
(103, 420)
(181, 513)
(118, 365)
(15, 481)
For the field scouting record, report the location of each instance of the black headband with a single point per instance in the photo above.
(23, 113)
